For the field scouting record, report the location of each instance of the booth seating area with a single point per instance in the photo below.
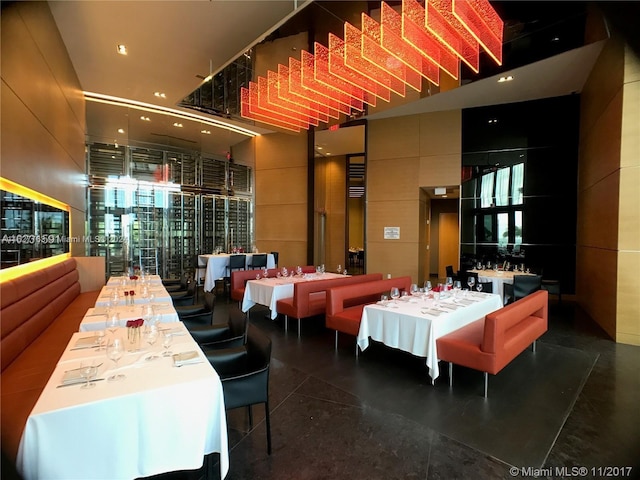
(489, 344)
(344, 304)
(309, 299)
(40, 312)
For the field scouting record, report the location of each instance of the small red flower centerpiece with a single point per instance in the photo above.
(133, 334)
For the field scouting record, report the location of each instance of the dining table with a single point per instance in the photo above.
(497, 277)
(161, 417)
(143, 294)
(216, 266)
(116, 280)
(267, 291)
(414, 323)
(95, 318)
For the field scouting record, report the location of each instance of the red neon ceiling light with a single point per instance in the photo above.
(369, 63)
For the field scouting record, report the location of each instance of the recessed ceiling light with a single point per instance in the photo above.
(328, 153)
(555, 39)
(206, 132)
(160, 94)
(122, 49)
(508, 78)
(493, 120)
(145, 119)
(121, 130)
(319, 148)
(176, 124)
(444, 196)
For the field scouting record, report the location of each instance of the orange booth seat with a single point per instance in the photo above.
(40, 312)
(239, 279)
(489, 344)
(309, 298)
(346, 303)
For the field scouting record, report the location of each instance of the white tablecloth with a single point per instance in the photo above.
(407, 328)
(267, 291)
(216, 266)
(116, 280)
(96, 317)
(498, 279)
(158, 419)
(157, 290)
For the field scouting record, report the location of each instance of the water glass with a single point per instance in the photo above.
(88, 371)
(115, 351)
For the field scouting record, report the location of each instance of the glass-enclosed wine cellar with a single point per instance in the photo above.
(159, 209)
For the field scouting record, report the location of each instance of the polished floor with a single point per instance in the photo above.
(574, 403)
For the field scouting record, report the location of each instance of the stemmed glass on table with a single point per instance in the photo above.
(150, 336)
(479, 286)
(115, 351)
(395, 294)
(113, 321)
(167, 338)
(414, 289)
(88, 371)
(471, 281)
(457, 286)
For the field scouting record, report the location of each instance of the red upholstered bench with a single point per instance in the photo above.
(40, 313)
(489, 344)
(309, 298)
(345, 303)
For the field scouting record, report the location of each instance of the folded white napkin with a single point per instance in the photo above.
(186, 358)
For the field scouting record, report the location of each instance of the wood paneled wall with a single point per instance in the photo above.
(281, 194)
(43, 111)
(608, 229)
(403, 155)
(330, 197)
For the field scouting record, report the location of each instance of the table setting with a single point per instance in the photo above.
(413, 323)
(267, 290)
(121, 414)
(96, 318)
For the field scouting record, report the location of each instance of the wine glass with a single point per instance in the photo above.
(471, 281)
(167, 338)
(339, 269)
(395, 294)
(99, 334)
(449, 283)
(88, 371)
(150, 336)
(344, 272)
(299, 270)
(113, 322)
(414, 289)
(427, 286)
(115, 351)
(457, 286)
(479, 286)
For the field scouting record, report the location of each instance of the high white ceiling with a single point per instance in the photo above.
(172, 45)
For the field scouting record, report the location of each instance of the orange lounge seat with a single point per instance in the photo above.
(489, 344)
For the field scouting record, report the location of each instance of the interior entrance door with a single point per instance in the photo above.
(448, 242)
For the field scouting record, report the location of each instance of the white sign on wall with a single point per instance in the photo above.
(392, 233)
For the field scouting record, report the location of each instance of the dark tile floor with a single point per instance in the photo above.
(377, 416)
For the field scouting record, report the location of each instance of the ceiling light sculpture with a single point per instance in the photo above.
(372, 62)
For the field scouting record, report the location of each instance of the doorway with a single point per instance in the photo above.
(448, 235)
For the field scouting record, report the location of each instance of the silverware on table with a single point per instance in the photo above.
(79, 383)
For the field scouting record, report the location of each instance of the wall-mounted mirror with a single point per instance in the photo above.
(31, 230)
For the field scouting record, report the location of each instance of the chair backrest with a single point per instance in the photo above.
(210, 300)
(524, 285)
(259, 260)
(487, 287)
(275, 258)
(237, 262)
(449, 269)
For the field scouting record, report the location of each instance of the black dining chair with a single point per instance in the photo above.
(185, 297)
(449, 270)
(259, 260)
(244, 372)
(229, 334)
(275, 258)
(522, 286)
(487, 287)
(198, 313)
